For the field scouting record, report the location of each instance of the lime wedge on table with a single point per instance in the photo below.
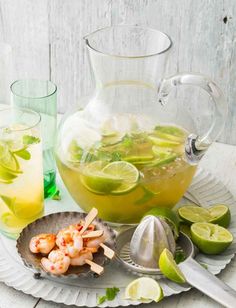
(169, 215)
(210, 238)
(95, 180)
(144, 289)
(191, 214)
(124, 170)
(169, 268)
(220, 214)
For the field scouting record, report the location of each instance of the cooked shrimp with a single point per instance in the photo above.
(56, 263)
(70, 241)
(80, 259)
(95, 242)
(43, 243)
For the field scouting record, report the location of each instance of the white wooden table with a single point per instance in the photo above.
(221, 161)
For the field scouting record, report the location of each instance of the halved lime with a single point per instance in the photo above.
(163, 142)
(169, 268)
(192, 213)
(124, 170)
(169, 215)
(95, 180)
(220, 214)
(210, 238)
(144, 289)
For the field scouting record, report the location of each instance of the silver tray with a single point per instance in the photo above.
(205, 190)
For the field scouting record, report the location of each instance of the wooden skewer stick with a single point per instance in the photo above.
(108, 252)
(89, 219)
(95, 267)
(93, 234)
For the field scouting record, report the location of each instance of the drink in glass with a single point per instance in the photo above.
(21, 170)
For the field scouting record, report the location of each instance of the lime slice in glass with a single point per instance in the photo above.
(97, 181)
(8, 160)
(191, 214)
(169, 215)
(220, 214)
(169, 268)
(11, 221)
(210, 238)
(124, 170)
(6, 176)
(144, 289)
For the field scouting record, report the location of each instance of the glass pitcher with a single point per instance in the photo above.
(129, 149)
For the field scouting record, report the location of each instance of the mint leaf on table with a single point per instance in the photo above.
(27, 139)
(101, 299)
(110, 295)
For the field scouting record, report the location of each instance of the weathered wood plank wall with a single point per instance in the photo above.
(46, 37)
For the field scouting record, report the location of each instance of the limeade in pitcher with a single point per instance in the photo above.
(125, 172)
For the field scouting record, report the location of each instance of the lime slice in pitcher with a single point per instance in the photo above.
(210, 238)
(163, 142)
(95, 180)
(124, 170)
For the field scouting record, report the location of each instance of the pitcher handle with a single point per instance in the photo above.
(196, 146)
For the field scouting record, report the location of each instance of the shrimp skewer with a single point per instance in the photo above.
(84, 255)
(42, 243)
(70, 241)
(95, 243)
(56, 263)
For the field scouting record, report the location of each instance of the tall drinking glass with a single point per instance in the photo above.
(41, 96)
(21, 170)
